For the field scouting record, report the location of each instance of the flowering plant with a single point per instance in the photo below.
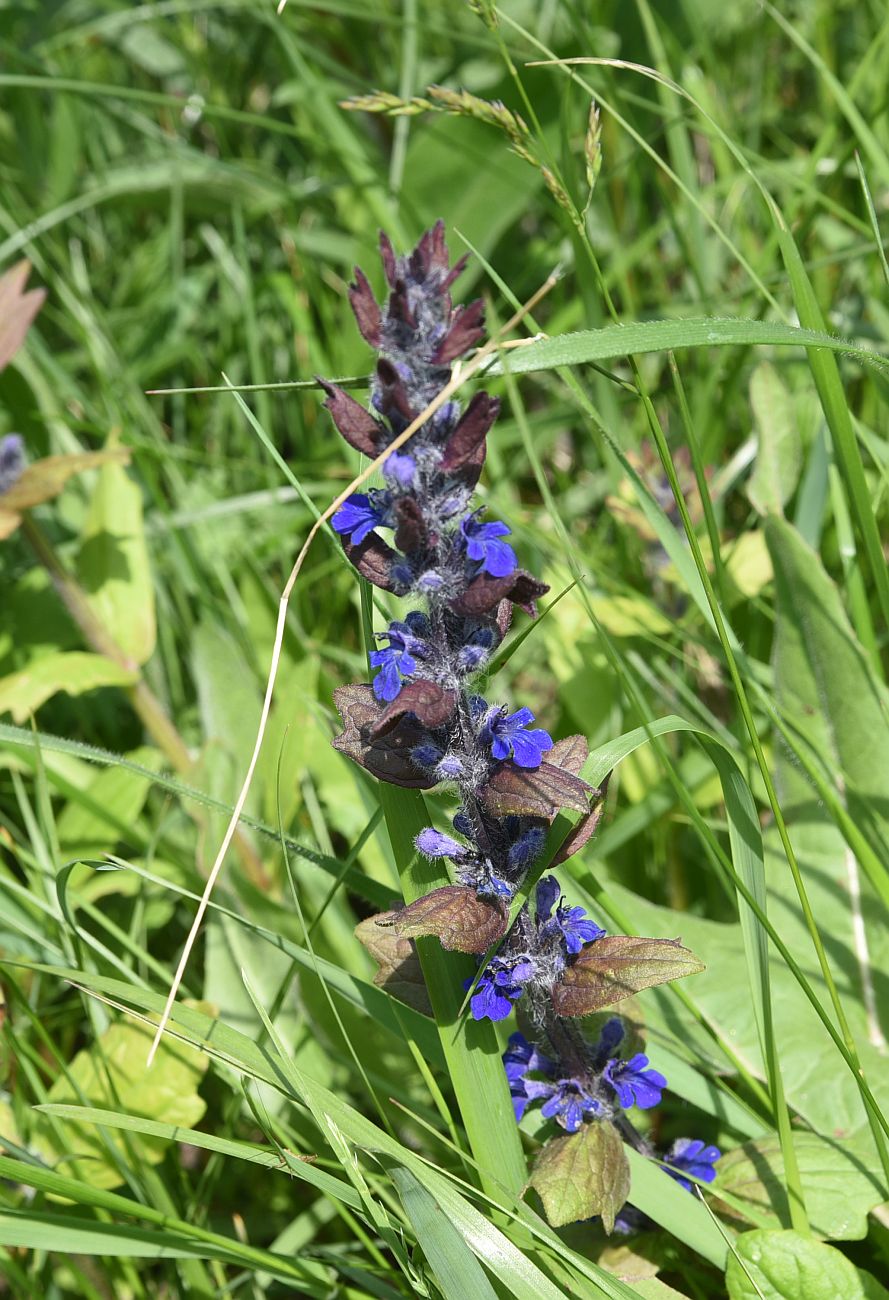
(423, 722)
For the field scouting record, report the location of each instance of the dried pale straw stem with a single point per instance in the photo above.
(458, 379)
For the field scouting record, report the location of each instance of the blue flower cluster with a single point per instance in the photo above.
(419, 723)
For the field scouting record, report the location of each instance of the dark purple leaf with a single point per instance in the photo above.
(400, 307)
(456, 915)
(386, 757)
(410, 531)
(355, 423)
(485, 591)
(466, 328)
(364, 305)
(432, 704)
(612, 968)
(393, 394)
(471, 431)
(457, 269)
(533, 792)
(373, 559)
(504, 617)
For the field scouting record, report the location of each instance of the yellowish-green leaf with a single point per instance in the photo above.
(779, 453)
(22, 693)
(114, 566)
(112, 1074)
(583, 1174)
(44, 479)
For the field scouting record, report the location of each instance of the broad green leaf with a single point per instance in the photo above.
(456, 1269)
(74, 672)
(582, 1174)
(825, 683)
(788, 1266)
(839, 1191)
(779, 448)
(113, 565)
(112, 1071)
(117, 792)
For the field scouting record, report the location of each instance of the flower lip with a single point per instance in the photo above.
(359, 515)
(397, 660)
(691, 1156)
(634, 1082)
(485, 546)
(510, 737)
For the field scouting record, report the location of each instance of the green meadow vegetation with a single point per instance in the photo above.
(693, 452)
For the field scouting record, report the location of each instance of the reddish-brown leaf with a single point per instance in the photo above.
(393, 394)
(466, 328)
(410, 531)
(386, 757)
(584, 830)
(430, 703)
(612, 968)
(456, 915)
(17, 309)
(355, 423)
(400, 973)
(570, 754)
(373, 559)
(366, 309)
(470, 432)
(533, 792)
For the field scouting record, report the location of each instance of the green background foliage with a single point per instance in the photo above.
(698, 451)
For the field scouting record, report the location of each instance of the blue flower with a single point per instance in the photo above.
(359, 515)
(435, 844)
(567, 1101)
(12, 460)
(500, 985)
(400, 469)
(635, 1084)
(483, 544)
(397, 660)
(572, 923)
(519, 1059)
(611, 1035)
(691, 1157)
(509, 737)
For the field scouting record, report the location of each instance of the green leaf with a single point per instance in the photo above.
(771, 1265)
(639, 337)
(44, 479)
(616, 966)
(113, 564)
(825, 682)
(456, 1269)
(839, 1190)
(75, 672)
(779, 448)
(582, 1174)
(113, 1071)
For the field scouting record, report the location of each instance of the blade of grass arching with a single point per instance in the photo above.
(470, 1046)
(188, 1238)
(457, 1271)
(283, 1161)
(872, 217)
(344, 1125)
(612, 342)
(364, 885)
